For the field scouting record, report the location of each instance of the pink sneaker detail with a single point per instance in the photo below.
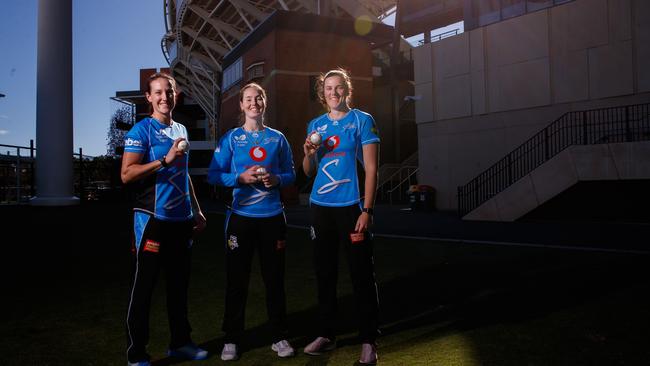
(368, 354)
(319, 345)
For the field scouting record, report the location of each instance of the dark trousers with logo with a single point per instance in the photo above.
(164, 246)
(332, 227)
(243, 236)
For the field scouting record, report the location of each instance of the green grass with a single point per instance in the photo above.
(441, 304)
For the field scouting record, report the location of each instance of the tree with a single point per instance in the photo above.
(121, 121)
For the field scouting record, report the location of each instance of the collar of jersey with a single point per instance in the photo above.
(159, 124)
(350, 113)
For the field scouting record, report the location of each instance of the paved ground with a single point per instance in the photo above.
(399, 221)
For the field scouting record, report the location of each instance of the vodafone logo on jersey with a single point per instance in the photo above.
(257, 153)
(332, 142)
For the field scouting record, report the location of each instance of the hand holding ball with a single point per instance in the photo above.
(315, 138)
(260, 171)
(183, 146)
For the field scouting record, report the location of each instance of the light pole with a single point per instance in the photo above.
(54, 170)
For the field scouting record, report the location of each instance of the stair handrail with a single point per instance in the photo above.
(401, 167)
(572, 128)
(415, 170)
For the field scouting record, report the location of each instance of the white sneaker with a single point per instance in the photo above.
(319, 345)
(229, 352)
(283, 348)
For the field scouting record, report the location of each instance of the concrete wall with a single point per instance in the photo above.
(486, 91)
(602, 162)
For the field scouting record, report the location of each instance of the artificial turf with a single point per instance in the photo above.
(441, 304)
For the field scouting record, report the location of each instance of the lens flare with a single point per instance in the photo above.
(363, 25)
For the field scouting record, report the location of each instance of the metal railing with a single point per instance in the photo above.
(441, 36)
(392, 190)
(17, 173)
(597, 126)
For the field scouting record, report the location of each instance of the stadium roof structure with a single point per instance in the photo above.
(199, 33)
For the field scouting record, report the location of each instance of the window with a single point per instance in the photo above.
(232, 74)
(255, 71)
(488, 11)
(512, 8)
(534, 5)
(478, 13)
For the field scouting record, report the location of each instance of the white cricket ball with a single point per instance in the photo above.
(315, 138)
(260, 171)
(183, 146)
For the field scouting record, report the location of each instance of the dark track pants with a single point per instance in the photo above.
(243, 236)
(332, 227)
(165, 245)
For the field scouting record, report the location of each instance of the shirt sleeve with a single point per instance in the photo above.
(368, 130)
(136, 140)
(219, 172)
(287, 172)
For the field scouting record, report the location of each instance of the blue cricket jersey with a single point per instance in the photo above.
(164, 194)
(237, 151)
(337, 183)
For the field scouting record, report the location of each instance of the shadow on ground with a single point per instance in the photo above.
(69, 271)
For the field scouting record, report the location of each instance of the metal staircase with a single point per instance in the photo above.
(597, 126)
(394, 180)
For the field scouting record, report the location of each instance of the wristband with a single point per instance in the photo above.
(163, 162)
(369, 211)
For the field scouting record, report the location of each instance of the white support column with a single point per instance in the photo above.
(54, 170)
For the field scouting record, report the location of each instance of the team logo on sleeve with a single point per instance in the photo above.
(332, 142)
(373, 128)
(132, 142)
(257, 153)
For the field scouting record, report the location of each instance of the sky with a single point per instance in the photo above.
(112, 41)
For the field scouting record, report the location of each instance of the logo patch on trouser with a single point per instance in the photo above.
(312, 233)
(357, 238)
(232, 242)
(151, 246)
(280, 244)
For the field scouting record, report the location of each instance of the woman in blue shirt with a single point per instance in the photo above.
(256, 161)
(335, 142)
(166, 214)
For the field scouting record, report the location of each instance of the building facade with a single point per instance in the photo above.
(485, 92)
